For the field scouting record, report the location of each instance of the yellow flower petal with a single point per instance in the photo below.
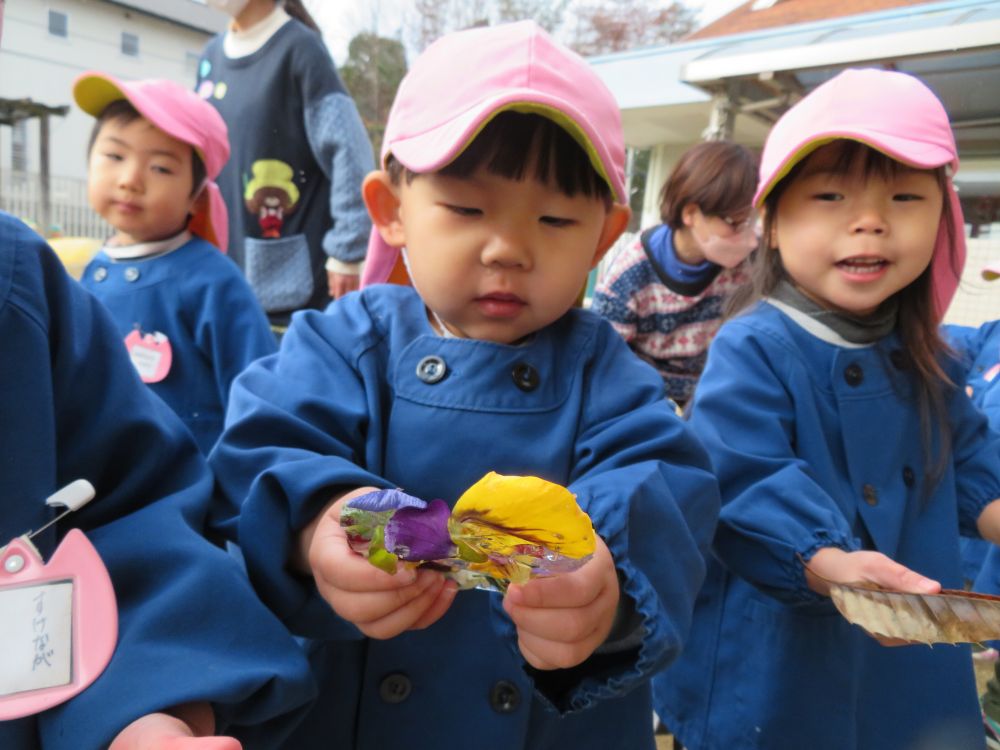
(505, 512)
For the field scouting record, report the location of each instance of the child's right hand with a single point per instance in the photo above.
(380, 605)
(838, 566)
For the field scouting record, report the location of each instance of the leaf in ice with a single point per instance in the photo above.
(366, 515)
(420, 534)
(948, 617)
(511, 528)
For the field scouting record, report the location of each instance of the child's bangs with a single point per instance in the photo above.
(512, 143)
(850, 155)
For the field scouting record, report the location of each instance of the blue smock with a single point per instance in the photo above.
(980, 350)
(190, 627)
(818, 445)
(199, 299)
(344, 404)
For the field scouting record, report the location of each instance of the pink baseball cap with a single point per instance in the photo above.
(463, 80)
(892, 112)
(181, 114)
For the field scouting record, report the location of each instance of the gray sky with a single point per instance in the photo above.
(340, 20)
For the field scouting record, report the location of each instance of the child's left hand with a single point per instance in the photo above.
(561, 620)
(165, 731)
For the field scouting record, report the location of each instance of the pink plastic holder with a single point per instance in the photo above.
(58, 627)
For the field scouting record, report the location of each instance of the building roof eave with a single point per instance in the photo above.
(193, 15)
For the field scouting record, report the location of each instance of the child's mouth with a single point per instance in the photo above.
(500, 305)
(862, 266)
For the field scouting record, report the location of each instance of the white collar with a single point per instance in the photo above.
(145, 249)
(247, 41)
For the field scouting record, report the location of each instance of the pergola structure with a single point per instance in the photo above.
(736, 85)
(13, 111)
(956, 51)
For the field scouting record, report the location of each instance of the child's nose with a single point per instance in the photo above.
(508, 250)
(130, 176)
(869, 220)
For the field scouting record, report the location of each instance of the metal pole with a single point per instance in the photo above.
(43, 161)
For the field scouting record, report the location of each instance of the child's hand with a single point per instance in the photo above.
(380, 605)
(165, 731)
(561, 620)
(341, 283)
(864, 566)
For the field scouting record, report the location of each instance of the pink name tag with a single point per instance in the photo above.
(991, 373)
(151, 354)
(59, 625)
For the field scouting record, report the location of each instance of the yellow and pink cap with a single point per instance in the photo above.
(891, 112)
(181, 114)
(464, 79)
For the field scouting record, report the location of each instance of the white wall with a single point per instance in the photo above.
(35, 64)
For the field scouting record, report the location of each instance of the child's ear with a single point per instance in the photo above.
(615, 222)
(689, 212)
(199, 201)
(381, 199)
(198, 212)
(771, 240)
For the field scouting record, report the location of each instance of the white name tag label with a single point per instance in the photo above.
(146, 361)
(36, 644)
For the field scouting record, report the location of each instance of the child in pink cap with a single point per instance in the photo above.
(189, 319)
(502, 186)
(845, 445)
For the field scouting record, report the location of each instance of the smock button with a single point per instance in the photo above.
(870, 494)
(505, 697)
(908, 476)
(431, 369)
(898, 359)
(853, 374)
(131, 273)
(525, 376)
(395, 688)
(100, 274)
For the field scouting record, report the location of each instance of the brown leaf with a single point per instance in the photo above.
(949, 617)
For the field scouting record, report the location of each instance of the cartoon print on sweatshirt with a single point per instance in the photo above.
(271, 195)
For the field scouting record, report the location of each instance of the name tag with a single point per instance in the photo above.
(59, 624)
(151, 354)
(36, 631)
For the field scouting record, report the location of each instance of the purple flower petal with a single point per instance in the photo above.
(417, 534)
(383, 500)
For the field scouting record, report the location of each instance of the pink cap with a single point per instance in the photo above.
(463, 80)
(181, 114)
(892, 112)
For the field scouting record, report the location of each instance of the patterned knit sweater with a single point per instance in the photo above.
(667, 322)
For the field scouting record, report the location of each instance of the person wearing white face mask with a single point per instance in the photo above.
(664, 293)
(297, 224)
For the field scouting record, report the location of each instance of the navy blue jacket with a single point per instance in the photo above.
(343, 405)
(819, 445)
(199, 299)
(72, 406)
(980, 351)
